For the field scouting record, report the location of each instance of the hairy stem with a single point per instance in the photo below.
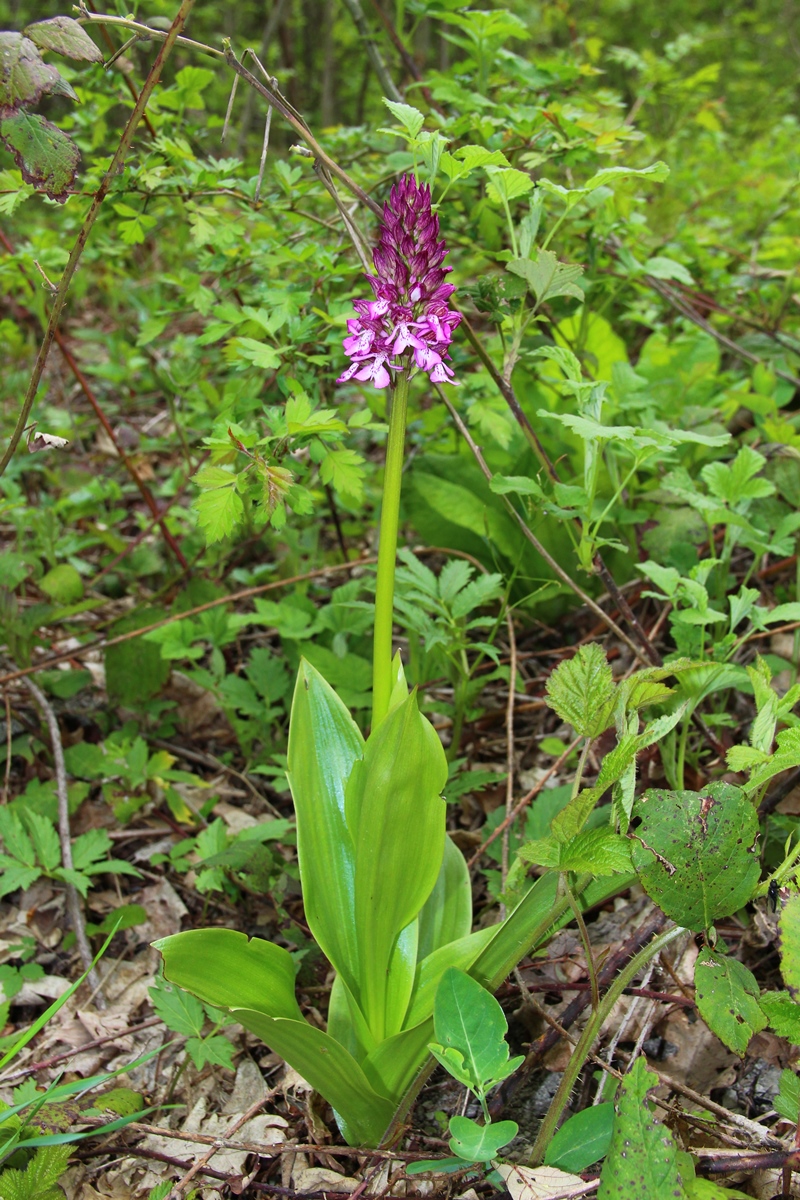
(387, 552)
(584, 1046)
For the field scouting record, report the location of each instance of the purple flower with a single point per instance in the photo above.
(409, 323)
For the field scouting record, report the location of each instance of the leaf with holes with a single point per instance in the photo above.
(695, 852)
(64, 36)
(47, 158)
(727, 999)
(642, 1162)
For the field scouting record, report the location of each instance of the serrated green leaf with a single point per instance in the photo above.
(582, 691)
(218, 512)
(598, 851)
(410, 118)
(642, 1161)
(260, 354)
(696, 852)
(787, 1101)
(783, 1015)
(64, 36)
(507, 183)
(47, 158)
(44, 838)
(546, 277)
(179, 1010)
(789, 931)
(62, 584)
(727, 999)
(214, 1051)
(657, 171)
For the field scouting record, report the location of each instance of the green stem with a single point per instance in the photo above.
(387, 553)
(584, 1045)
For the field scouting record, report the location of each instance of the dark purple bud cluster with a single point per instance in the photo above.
(409, 321)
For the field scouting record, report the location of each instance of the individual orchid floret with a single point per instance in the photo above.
(409, 324)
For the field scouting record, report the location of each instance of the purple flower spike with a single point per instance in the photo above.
(409, 324)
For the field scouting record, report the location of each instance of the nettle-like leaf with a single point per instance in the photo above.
(727, 998)
(46, 157)
(789, 929)
(547, 278)
(696, 852)
(64, 36)
(599, 851)
(582, 691)
(783, 1015)
(642, 1161)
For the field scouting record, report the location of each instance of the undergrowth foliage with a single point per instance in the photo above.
(400, 684)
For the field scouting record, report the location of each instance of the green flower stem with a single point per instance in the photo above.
(587, 1038)
(387, 552)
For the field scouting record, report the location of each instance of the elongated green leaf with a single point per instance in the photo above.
(363, 1114)
(324, 745)
(470, 1029)
(397, 818)
(346, 1022)
(230, 970)
(460, 953)
(695, 852)
(642, 1163)
(394, 1064)
(400, 976)
(727, 998)
(583, 1139)
(447, 913)
(790, 945)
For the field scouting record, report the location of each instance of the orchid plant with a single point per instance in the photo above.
(387, 894)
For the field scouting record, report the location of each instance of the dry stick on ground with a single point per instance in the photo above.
(73, 899)
(203, 1162)
(537, 545)
(32, 1068)
(113, 170)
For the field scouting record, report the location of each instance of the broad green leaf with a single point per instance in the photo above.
(658, 171)
(582, 1140)
(507, 183)
(479, 156)
(47, 158)
(642, 1162)
(324, 745)
(598, 851)
(230, 970)
(727, 999)
(396, 818)
(44, 838)
(346, 1022)
(62, 584)
(179, 1011)
(410, 118)
(363, 1114)
(696, 852)
(789, 931)
(64, 36)
(787, 1101)
(547, 277)
(260, 354)
(582, 692)
(446, 915)
(512, 938)
(785, 757)
(783, 1015)
(480, 1143)
(661, 267)
(395, 1063)
(219, 511)
(470, 1029)
(520, 484)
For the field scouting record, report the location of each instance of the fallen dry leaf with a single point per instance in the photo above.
(540, 1183)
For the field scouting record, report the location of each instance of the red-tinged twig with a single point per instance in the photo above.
(73, 899)
(525, 801)
(85, 387)
(114, 167)
(203, 1162)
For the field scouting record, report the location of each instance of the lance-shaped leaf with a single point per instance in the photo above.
(255, 980)
(397, 819)
(324, 745)
(446, 915)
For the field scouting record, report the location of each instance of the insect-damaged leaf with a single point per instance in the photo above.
(642, 1162)
(46, 157)
(64, 36)
(694, 852)
(727, 998)
(24, 76)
